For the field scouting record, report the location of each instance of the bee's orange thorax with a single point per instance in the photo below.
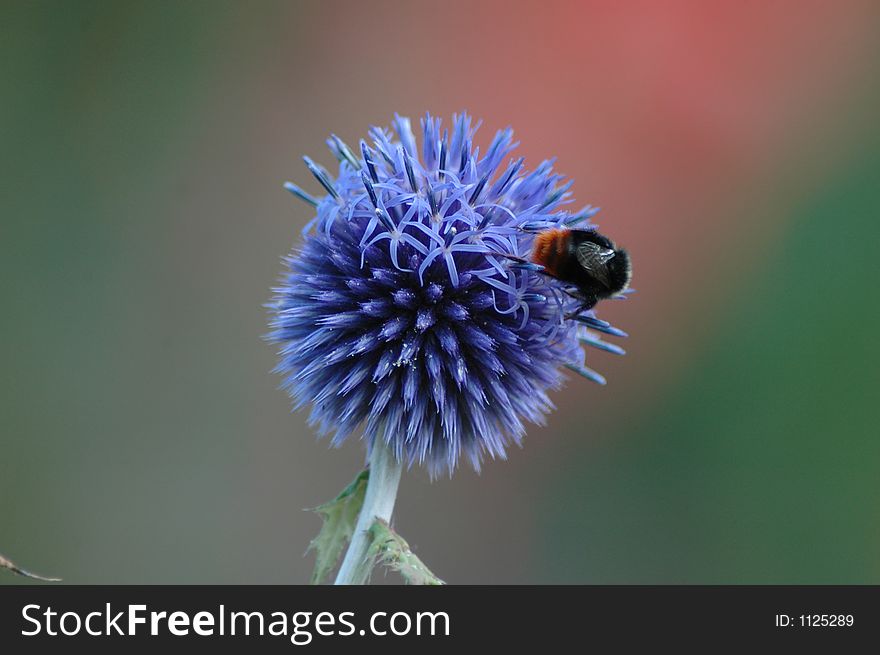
(550, 249)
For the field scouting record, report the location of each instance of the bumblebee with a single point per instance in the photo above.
(585, 260)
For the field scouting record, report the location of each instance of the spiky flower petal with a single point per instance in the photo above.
(411, 309)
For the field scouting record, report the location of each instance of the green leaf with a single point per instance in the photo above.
(391, 550)
(7, 564)
(340, 517)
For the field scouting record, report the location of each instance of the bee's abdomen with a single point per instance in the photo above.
(551, 249)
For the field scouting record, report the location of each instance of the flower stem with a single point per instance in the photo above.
(378, 504)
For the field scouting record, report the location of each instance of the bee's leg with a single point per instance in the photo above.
(522, 262)
(513, 258)
(587, 303)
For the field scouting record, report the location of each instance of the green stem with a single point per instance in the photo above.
(378, 504)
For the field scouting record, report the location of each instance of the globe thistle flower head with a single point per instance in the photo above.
(411, 309)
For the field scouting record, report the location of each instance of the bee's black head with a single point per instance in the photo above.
(619, 270)
(604, 269)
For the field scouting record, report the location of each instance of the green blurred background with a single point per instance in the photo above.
(734, 148)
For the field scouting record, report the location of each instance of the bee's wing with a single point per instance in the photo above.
(594, 258)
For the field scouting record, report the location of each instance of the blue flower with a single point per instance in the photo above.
(411, 309)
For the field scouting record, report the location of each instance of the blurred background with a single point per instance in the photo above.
(734, 148)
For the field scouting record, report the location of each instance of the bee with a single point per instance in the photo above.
(585, 260)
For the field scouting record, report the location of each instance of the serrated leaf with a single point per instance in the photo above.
(340, 516)
(11, 566)
(391, 550)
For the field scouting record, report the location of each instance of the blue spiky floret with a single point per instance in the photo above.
(410, 307)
